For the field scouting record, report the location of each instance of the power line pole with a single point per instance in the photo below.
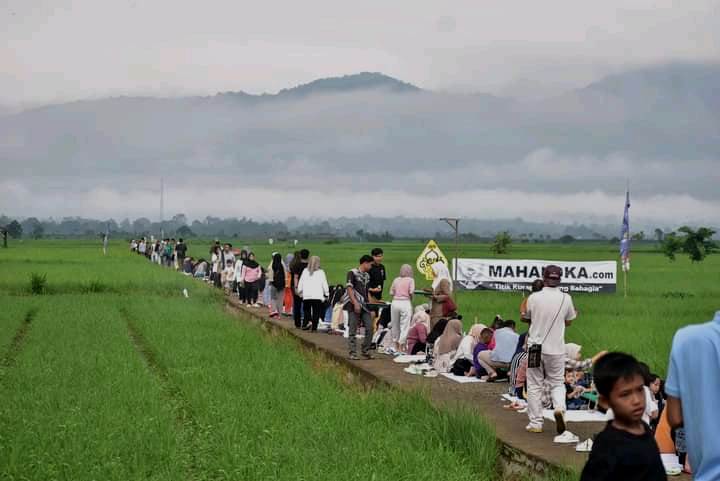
(162, 200)
(454, 222)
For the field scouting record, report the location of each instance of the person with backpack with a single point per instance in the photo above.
(276, 280)
(180, 251)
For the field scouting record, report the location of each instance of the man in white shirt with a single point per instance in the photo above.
(549, 311)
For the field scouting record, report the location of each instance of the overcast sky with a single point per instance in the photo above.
(562, 160)
(54, 50)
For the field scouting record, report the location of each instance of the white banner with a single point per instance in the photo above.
(518, 275)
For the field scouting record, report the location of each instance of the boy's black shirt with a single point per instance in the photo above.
(619, 455)
(377, 278)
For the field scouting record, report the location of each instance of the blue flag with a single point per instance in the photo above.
(625, 230)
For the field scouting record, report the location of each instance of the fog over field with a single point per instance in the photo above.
(564, 123)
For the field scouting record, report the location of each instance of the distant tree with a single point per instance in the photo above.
(38, 232)
(659, 234)
(14, 229)
(185, 231)
(638, 236)
(697, 244)
(29, 225)
(179, 219)
(501, 244)
(615, 240)
(566, 239)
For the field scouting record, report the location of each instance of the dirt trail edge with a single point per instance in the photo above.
(192, 434)
(17, 341)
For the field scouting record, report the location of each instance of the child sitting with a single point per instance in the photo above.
(477, 370)
(626, 449)
(573, 391)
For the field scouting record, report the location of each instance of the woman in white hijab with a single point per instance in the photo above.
(441, 291)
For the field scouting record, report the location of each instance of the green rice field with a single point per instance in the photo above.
(112, 374)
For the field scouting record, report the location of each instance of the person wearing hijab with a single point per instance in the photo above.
(288, 294)
(441, 291)
(314, 290)
(251, 278)
(419, 330)
(446, 345)
(462, 361)
(240, 276)
(401, 290)
(276, 281)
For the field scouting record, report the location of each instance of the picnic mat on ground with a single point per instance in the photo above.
(575, 416)
(407, 358)
(460, 379)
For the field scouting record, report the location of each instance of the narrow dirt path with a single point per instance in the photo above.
(192, 434)
(17, 342)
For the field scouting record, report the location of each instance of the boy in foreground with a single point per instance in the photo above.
(626, 449)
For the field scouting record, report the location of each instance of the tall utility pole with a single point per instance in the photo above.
(162, 201)
(454, 222)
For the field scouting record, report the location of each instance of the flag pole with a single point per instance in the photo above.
(625, 240)
(625, 282)
(627, 189)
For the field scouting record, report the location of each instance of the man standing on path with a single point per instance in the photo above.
(549, 311)
(377, 275)
(180, 251)
(693, 392)
(355, 303)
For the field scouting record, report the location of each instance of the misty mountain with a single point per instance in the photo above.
(370, 133)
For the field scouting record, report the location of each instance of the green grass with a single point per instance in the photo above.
(119, 377)
(78, 403)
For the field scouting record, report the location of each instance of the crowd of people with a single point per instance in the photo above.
(645, 415)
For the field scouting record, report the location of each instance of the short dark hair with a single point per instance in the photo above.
(509, 323)
(376, 251)
(486, 332)
(613, 366)
(537, 285)
(304, 254)
(365, 258)
(181, 239)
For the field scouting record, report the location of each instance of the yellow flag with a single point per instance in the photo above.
(430, 255)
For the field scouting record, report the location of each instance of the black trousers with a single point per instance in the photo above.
(297, 310)
(252, 291)
(419, 347)
(312, 309)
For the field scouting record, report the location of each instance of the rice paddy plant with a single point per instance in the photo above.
(38, 283)
(78, 403)
(273, 417)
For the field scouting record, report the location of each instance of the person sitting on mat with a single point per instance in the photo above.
(462, 361)
(477, 370)
(499, 358)
(419, 330)
(446, 346)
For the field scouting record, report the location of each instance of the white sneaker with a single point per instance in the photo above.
(431, 373)
(531, 428)
(585, 446)
(566, 438)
